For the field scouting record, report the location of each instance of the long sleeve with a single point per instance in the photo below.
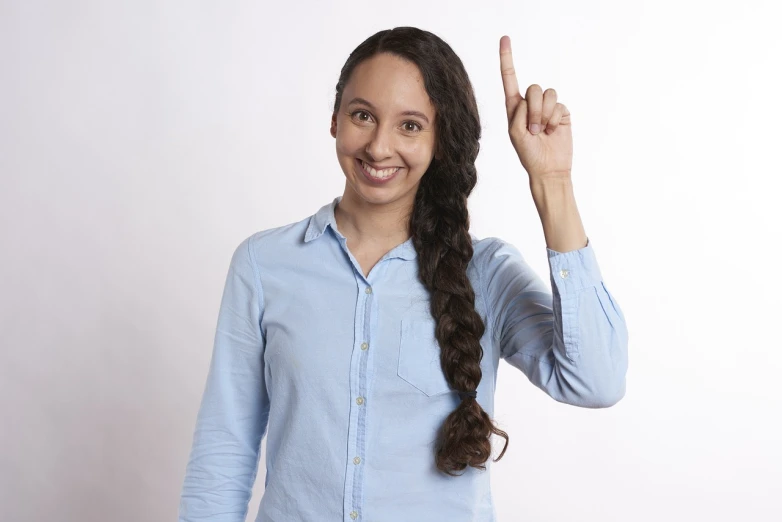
(234, 410)
(573, 344)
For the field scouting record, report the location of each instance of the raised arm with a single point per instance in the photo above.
(234, 410)
(572, 344)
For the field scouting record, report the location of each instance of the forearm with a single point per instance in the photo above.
(556, 204)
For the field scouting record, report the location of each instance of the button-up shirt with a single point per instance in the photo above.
(341, 373)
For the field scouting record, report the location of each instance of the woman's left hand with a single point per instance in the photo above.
(547, 153)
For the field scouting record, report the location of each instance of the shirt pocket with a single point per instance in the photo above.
(419, 357)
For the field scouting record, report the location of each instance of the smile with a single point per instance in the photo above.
(382, 176)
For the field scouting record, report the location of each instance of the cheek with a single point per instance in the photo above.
(350, 142)
(416, 154)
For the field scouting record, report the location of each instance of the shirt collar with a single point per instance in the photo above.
(325, 217)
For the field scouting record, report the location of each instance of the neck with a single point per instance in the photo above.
(373, 224)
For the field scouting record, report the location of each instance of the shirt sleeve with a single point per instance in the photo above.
(572, 344)
(234, 409)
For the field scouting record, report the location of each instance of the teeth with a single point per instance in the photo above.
(382, 174)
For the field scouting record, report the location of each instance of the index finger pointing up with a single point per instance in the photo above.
(509, 82)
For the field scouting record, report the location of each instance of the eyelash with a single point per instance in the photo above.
(408, 121)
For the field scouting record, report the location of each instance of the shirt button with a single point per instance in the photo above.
(364, 346)
(353, 515)
(368, 290)
(360, 400)
(563, 273)
(357, 460)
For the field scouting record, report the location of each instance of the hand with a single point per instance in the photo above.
(547, 154)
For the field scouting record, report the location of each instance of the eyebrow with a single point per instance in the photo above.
(403, 113)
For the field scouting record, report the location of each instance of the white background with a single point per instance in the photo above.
(141, 141)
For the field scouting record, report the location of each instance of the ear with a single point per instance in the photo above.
(334, 125)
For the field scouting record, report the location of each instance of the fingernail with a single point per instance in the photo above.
(534, 128)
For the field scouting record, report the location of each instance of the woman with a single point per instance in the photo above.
(357, 336)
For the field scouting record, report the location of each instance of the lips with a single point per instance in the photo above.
(369, 177)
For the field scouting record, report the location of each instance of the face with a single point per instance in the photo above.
(387, 120)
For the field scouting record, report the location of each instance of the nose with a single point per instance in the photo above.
(380, 146)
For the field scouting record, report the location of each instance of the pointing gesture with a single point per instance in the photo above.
(539, 127)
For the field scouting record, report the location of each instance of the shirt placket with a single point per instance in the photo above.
(359, 381)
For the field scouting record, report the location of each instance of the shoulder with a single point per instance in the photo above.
(500, 266)
(267, 243)
(490, 251)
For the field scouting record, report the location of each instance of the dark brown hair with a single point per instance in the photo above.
(439, 226)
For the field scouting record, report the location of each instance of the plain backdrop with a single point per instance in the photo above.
(141, 141)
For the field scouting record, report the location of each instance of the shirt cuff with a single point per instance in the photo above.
(574, 270)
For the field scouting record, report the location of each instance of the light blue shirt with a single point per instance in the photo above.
(341, 373)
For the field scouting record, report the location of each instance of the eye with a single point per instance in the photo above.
(414, 123)
(359, 111)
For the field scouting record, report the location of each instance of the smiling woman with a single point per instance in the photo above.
(366, 337)
(429, 128)
(392, 81)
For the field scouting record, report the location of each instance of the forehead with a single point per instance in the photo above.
(390, 83)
